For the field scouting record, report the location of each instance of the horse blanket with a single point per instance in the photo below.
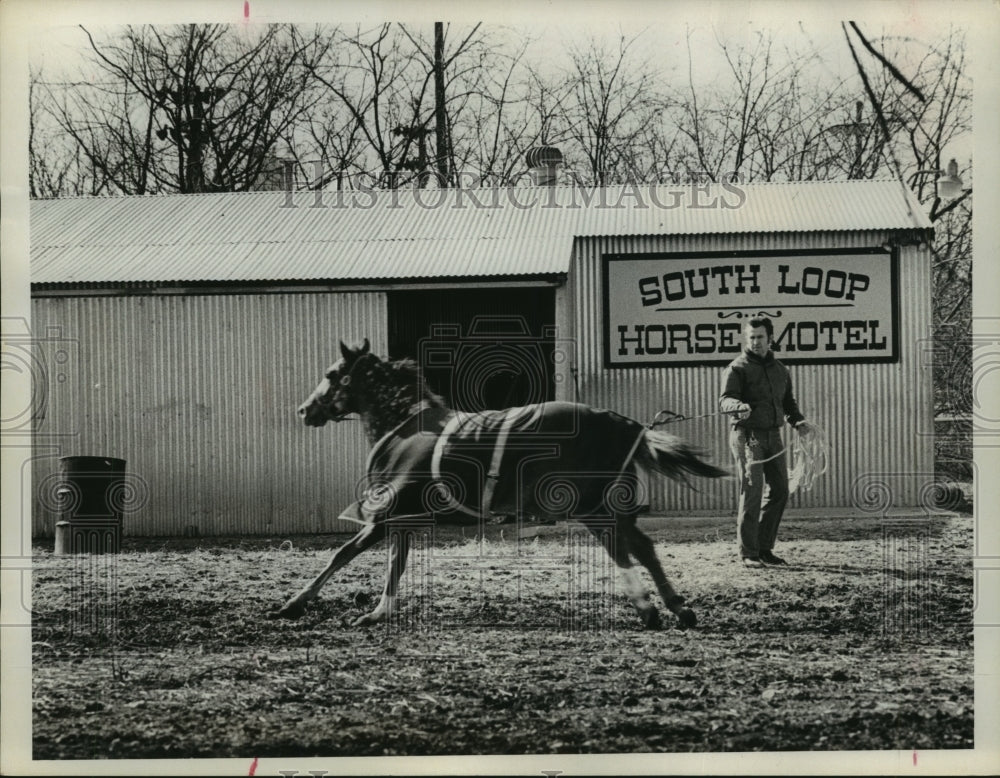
(553, 459)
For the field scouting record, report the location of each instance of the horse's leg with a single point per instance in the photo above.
(617, 546)
(641, 547)
(365, 539)
(399, 549)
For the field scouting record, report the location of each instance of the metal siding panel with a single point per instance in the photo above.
(873, 414)
(198, 394)
(456, 257)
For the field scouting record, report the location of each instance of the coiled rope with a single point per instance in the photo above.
(810, 450)
(811, 458)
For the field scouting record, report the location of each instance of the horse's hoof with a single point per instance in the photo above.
(366, 621)
(291, 610)
(651, 618)
(686, 618)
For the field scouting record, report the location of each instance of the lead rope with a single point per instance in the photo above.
(811, 455)
(810, 450)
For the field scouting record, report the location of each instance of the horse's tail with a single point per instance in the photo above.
(673, 457)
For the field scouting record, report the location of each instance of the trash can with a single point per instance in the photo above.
(91, 492)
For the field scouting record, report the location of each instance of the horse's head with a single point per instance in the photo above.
(337, 397)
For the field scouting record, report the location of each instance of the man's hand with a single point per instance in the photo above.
(742, 411)
(804, 428)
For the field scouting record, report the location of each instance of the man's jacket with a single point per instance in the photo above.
(764, 384)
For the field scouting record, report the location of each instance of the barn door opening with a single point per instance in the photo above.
(479, 348)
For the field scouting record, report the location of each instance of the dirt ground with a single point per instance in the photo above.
(864, 642)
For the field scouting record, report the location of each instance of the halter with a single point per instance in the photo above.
(344, 381)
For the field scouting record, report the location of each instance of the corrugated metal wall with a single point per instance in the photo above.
(876, 416)
(198, 394)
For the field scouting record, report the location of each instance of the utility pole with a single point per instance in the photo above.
(191, 132)
(197, 137)
(419, 165)
(440, 118)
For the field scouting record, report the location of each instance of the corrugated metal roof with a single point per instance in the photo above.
(366, 235)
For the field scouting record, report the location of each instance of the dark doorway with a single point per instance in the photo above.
(479, 348)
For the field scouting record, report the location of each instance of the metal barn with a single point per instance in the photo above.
(180, 332)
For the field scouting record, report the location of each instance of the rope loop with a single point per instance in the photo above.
(810, 450)
(811, 456)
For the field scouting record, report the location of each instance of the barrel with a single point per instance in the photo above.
(90, 493)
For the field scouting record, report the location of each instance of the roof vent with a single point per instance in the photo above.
(542, 162)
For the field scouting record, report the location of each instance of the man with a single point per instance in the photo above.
(757, 392)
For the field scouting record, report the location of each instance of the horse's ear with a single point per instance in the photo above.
(350, 354)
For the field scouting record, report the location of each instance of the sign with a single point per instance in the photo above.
(689, 309)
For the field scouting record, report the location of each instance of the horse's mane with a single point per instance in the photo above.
(409, 372)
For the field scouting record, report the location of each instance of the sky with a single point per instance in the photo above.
(661, 35)
(662, 30)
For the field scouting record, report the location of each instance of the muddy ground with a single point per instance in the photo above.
(506, 646)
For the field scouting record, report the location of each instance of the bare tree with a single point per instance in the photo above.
(54, 167)
(492, 132)
(414, 106)
(503, 108)
(372, 79)
(614, 103)
(794, 141)
(187, 109)
(326, 147)
(925, 86)
(762, 118)
(934, 126)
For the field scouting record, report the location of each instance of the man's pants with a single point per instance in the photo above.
(758, 529)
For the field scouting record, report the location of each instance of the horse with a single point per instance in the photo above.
(555, 460)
